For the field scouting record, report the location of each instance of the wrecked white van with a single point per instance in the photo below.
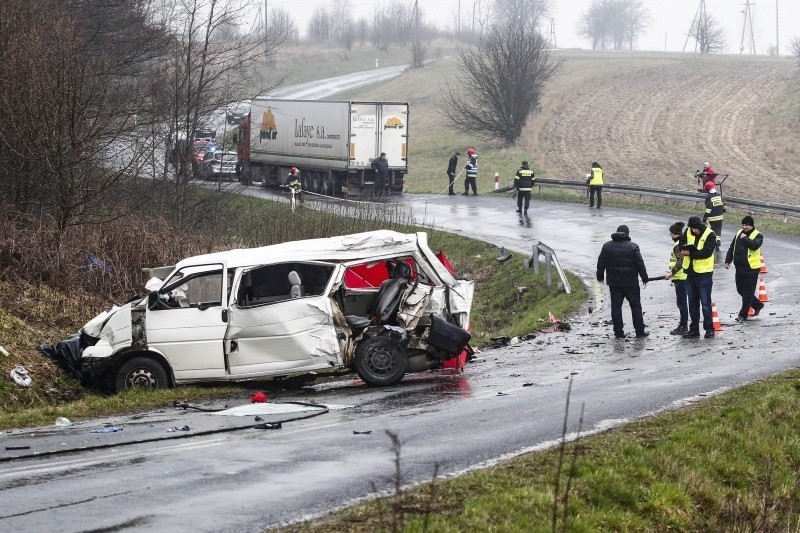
(380, 302)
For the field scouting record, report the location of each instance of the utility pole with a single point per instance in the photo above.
(748, 16)
(553, 32)
(698, 27)
(458, 29)
(777, 32)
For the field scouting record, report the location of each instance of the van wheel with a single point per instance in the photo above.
(141, 373)
(381, 361)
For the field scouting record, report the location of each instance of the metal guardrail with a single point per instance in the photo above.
(550, 260)
(671, 194)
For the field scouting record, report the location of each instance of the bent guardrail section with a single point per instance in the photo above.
(550, 261)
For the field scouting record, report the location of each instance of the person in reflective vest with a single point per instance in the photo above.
(745, 254)
(523, 183)
(715, 208)
(697, 245)
(471, 172)
(595, 182)
(678, 277)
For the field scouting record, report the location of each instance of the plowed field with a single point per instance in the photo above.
(656, 125)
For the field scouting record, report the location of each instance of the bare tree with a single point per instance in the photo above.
(637, 19)
(342, 23)
(531, 12)
(708, 34)
(72, 82)
(281, 23)
(362, 31)
(794, 47)
(619, 21)
(503, 82)
(593, 22)
(320, 27)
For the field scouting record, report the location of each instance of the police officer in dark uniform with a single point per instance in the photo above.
(451, 172)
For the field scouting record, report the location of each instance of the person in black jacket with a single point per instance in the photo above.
(620, 263)
(451, 172)
(745, 254)
(381, 167)
(523, 184)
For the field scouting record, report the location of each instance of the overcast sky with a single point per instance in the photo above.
(671, 19)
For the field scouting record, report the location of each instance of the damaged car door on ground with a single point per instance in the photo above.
(381, 303)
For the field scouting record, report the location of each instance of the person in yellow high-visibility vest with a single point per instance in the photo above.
(678, 277)
(745, 254)
(595, 182)
(698, 244)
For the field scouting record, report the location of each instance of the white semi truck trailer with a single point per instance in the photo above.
(332, 143)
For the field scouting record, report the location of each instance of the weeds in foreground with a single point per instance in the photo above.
(561, 499)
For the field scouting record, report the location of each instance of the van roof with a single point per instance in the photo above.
(342, 248)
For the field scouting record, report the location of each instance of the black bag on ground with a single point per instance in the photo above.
(447, 337)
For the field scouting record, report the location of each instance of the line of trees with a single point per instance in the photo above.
(390, 24)
(614, 23)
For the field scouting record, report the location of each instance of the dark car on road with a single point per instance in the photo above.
(236, 113)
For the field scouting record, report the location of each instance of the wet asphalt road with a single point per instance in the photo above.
(510, 401)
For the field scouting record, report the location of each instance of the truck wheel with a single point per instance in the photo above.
(141, 373)
(381, 361)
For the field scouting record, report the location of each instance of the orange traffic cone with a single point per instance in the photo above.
(751, 312)
(762, 291)
(715, 317)
(763, 266)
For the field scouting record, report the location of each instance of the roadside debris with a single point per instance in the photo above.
(269, 425)
(63, 422)
(21, 377)
(107, 429)
(258, 397)
(369, 431)
(3, 351)
(501, 342)
(176, 428)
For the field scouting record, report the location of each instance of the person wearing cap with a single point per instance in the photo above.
(715, 209)
(471, 173)
(523, 184)
(620, 263)
(697, 246)
(594, 179)
(678, 277)
(451, 172)
(745, 254)
(381, 167)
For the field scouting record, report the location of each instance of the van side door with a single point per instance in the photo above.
(282, 320)
(188, 323)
